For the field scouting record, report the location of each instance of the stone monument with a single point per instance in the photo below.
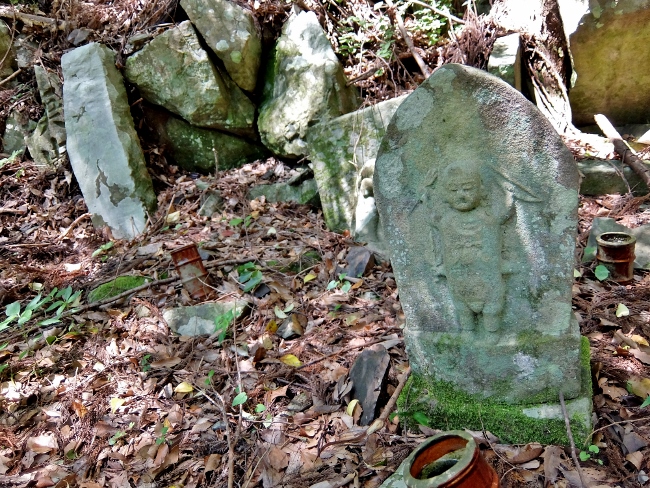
(478, 196)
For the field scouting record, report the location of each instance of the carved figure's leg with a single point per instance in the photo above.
(466, 316)
(493, 310)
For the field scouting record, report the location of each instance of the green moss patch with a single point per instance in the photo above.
(115, 287)
(444, 406)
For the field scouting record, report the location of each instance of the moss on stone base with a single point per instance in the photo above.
(446, 407)
(115, 287)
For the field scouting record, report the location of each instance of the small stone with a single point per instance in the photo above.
(305, 193)
(290, 328)
(211, 203)
(360, 261)
(200, 319)
(368, 377)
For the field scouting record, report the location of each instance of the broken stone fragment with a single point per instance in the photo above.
(229, 30)
(368, 377)
(304, 84)
(174, 71)
(304, 193)
(103, 146)
(200, 319)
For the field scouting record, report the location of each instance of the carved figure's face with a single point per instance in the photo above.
(463, 191)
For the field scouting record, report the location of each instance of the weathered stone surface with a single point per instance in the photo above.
(368, 376)
(478, 198)
(6, 49)
(17, 128)
(47, 142)
(199, 319)
(304, 193)
(229, 30)
(211, 202)
(197, 149)
(174, 71)
(604, 177)
(505, 60)
(606, 48)
(102, 143)
(343, 153)
(304, 84)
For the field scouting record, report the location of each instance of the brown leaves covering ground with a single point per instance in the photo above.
(110, 397)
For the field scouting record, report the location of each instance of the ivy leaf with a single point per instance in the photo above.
(646, 402)
(332, 284)
(622, 310)
(259, 408)
(239, 399)
(584, 456)
(346, 287)
(601, 272)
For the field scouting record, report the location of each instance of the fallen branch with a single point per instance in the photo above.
(393, 399)
(573, 446)
(407, 39)
(438, 11)
(342, 351)
(31, 20)
(627, 154)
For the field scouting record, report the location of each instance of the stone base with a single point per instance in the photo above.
(441, 405)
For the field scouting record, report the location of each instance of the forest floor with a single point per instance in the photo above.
(109, 397)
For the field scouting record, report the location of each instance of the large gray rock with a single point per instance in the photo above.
(6, 52)
(47, 142)
(478, 198)
(505, 60)
(304, 84)
(103, 146)
(229, 30)
(342, 152)
(606, 48)
(197, 149)
(174, 71)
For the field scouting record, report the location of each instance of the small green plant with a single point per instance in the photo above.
(341, 282)
(64, 298)
(144, 363)
(601, 272)
(117, 436)
(236, 222)
(102, 249)
(221, 324)
(14, 155)
(208, 380)
(162, 438)
(249, 276)
(591, 451)
(240, 398)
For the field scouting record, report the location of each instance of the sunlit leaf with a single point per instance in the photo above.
(601, 272)
(240, 399)
(184, 387)
(279, 313)
(272, 326)
(291, 360)
(421, 418)
(622, 310)
(577, 273)
(332, 284)
(346, 287)
(309, 277)
(116, 403)
(259, 408)
(13, 309)
(351, 406)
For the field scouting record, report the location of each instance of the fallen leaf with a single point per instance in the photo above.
(639, 339)
(166, 362)
(280, 392)
(622, 310)
(644, 357)
(80, 409)
(116, 403)
(309, 277)
(639, 386)
(184, 387)
(350, 409)
(291, 360)
(42, 443)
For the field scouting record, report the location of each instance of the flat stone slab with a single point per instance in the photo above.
(478, 197)
(609, 36)
(102, 143)
(199, 319)
(304, 193)
(368, 377)
(611, 176)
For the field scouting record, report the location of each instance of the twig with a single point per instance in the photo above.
(73, 225)
(393, 399)
(11, 76)
(342, 351)
(627, 154)
(438, 11)
(573, 446)
(409, 42)
(615, 423)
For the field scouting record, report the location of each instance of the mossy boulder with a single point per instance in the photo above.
(304, 84)
(304, 193)
(174, 71)
(115, 287)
